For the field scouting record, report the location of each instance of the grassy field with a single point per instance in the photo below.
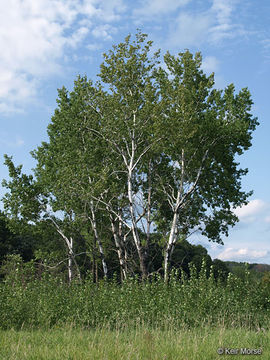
(141, 343)
(188, 319)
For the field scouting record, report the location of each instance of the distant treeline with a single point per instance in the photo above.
(261, 268)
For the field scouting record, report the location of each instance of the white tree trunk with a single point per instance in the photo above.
(119, 251)
(180, 202)
(70, 271)
(100, 247)
(134, 227)
(71, 256)
(170, 246)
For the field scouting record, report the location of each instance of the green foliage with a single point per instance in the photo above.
(145, 150)
(266, 279)
(257, 271)
(14, 243)
(46, 302)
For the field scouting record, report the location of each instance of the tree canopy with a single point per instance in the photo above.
(145, 156)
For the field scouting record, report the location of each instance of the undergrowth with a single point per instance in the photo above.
(198, 301)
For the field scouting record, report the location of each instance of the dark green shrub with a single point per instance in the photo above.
(194, 301)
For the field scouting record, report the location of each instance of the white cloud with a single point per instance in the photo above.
(224, 27)
(93, 46)
(210, 64)
(190, 29)
(222, 9)
(248, 213)
(77, 36)
(104, 31)
(211, 25)
(153, 8)
(243, 254)
(110, 10)
(34, 36)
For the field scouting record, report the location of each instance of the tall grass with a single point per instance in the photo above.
(198, 301)
(141, 343)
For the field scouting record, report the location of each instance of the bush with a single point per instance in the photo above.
(192, 302)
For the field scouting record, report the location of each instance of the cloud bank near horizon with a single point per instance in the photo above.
(247, 254)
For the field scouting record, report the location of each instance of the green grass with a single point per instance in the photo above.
(141, 343)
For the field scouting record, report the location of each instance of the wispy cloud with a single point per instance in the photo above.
(11, 143)
(210, 64)
(267, 219)
(222, 11)
(250, 212)
(189, 29)
(211, 25)
(153, 8)
(34, 36)
(104, 31)
(243, 254)
(266, 44)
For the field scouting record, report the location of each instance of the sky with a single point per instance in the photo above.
(46, 44)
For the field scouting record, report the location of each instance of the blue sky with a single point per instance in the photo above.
(45, 44)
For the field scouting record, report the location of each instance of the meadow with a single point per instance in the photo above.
(136, 343)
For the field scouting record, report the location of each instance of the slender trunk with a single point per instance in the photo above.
(148, 230)
(174, 227)
(130, 168)
(135, 234)
(104, 264)
(74, 261)
(119, 250)
(94, 260)
(125, 254)
(170, 246)
(69, 243)
(96, 272)
(172, 237)
(70, 272)
(100, 247)
(71, 260)
(123, 243)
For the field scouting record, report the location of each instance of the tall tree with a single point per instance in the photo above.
(206, 129)
(68, 165)
(127, 116)
(146, 150)
(29, 201)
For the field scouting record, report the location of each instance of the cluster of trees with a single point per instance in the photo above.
(136, 162)
(46, 254)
